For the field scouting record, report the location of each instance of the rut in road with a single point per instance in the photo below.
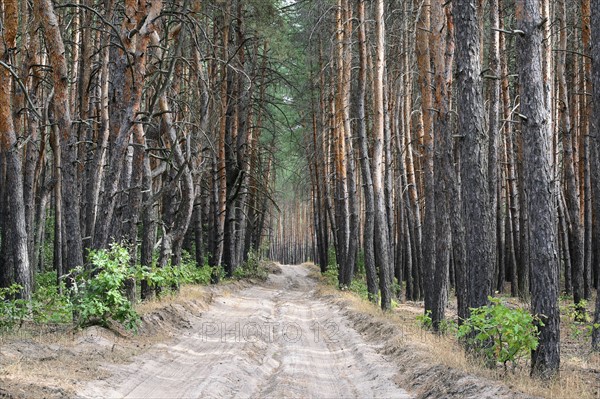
(276, 340)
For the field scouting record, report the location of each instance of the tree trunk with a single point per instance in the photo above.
(595, 53)
(576, 244)
(68, 147)
(381, 234)
(365, 165)
(538, 178)
(477, 207)
(586, 150)
(15, 231)
(423, 63)
(441, 41)
(493, 144)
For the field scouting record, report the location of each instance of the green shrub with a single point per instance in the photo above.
(192, 273)
(252, 268)
(579, 319)
(577, 311)
(47, 247)
(97, 294)
(424, 320)
(359, 287)
(331, 258)
(13, 311)
(331, 275)
(174, 276)
(360, 263)
(499, 333)
(48, 303)
(169, 278)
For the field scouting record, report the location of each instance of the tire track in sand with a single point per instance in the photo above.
(270, 341)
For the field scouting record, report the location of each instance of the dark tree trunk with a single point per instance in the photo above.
(595, 125)
(382, 245)
(538, 178)
(365, 165)
(477, 207)
(576, 243)
(442, 54)
(15, 231)
(429, 225)
(149, 217)
(68, 147)
(493, 146)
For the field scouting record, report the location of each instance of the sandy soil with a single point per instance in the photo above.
(275, 340)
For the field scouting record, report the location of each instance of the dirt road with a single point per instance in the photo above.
(276, 340)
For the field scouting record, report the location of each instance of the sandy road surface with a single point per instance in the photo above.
(275, 340)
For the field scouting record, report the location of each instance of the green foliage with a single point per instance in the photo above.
(47, 249)
(217, 273)
(331, 258)
(445, 327)
(48, 303)
(97, 294)
(331, 275)
(173, 276)
(576, 311)
(13, 311)
(448, 327)
(577, 329)
(331, 272)
(359, 287)
(252, 268)
(424, 320)
(499, 333)
(360, 263)
(578, 319)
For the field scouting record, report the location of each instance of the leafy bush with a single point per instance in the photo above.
(577, 311)
(424, 320)
(252, 268)
(13, 311)
(192, 273)
(445, 327)
(499, 333)
(359, 287)
(98, 293)
(580, 322)
(331, 258)
(48, 303)
(360, 263)
(331, 275)
(174, 276)
(170, 276)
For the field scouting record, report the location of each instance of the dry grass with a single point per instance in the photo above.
(580, 368)
(186, 293)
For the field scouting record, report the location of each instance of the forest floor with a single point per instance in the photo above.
(579, 368)
(287, 337)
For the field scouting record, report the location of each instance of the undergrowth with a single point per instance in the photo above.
(253, 268)
(500, 334)
(95, 294)
(358, 285)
